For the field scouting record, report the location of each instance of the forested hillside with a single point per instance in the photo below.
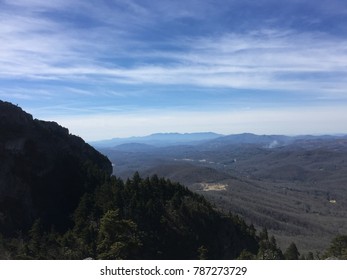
(295, 186)
(148, 218)
(58, 200)
(44, 171)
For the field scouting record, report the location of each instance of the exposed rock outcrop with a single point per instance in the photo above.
(44, 170)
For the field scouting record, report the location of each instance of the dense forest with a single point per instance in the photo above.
(148, 218)
(295, 186)
(58, 200)
(151, 218)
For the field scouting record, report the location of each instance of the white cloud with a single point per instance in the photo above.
(39, 48)
(109, 53)
(37, 3)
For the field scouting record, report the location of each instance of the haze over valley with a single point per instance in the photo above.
(295, 186)
(244, 105)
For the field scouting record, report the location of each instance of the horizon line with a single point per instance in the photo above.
(337, 134)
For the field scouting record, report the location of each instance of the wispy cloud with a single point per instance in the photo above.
(37, 48)
(91, 56)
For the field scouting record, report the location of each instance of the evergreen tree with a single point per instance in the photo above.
(150, 218)
(246, 255)
(118, 239)
(36, 245)
(338, 247)
(268, 249)
(309, 256)
(202, 253)
(263, 235)
(292, 252)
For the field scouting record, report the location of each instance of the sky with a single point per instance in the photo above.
(119, 68)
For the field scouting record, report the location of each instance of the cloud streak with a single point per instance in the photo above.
(88, 56)
(262, 59)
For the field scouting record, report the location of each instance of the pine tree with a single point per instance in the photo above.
(118, 238)
(36, 243)
(202, 253)
(309, 256)
(292, 252)
(338, 247)
(268, 249)
(246, 255)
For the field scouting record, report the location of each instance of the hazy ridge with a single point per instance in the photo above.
(294, 185)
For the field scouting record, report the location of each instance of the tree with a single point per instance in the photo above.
(338, 247)
(292, 252)
(118, 238)
(252, 230)
(263, 235)
(202, 253)
(36, 244)
(246, 255)
(309, 256)
(268, 249)
(136, 179)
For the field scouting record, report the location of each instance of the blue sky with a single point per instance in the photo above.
(111, 68)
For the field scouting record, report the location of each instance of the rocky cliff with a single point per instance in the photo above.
(44, 170)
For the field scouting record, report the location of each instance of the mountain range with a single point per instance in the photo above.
(159, 139)
(294, 185)
(58, 200)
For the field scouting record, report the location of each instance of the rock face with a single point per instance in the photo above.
(44, 170)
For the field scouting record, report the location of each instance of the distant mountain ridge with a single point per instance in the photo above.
(207, 139)
(291, 184)
(58, 200)
(160, 139)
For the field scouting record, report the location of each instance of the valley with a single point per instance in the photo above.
(294, 186)
(173, 196)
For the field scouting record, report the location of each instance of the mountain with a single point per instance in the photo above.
(44, 170)
(58, 200)
(133, 147)
(295, 186)
(249, 138)
(209, 140)
(159, 139)
(270, 141)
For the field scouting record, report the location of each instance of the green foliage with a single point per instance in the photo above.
(292, 252)
(149, 218)
(268, 249)
(152, 218)
(246, 255)
(202, 253)
(44, 172)
(36, 243)
(309, 256)
(338, 248)
(118, 238)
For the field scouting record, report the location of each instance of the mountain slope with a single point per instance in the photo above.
(58, 200)
(295, 186)
(44, 170)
